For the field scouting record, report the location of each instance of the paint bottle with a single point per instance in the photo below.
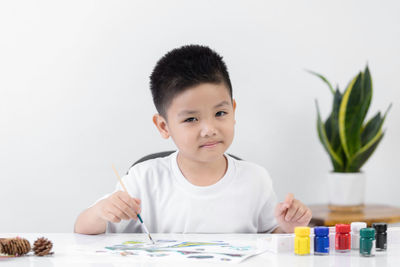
(342, 238)
(332, 233)
(381, 236)
(355, 233)
(321, 240)
(302, 241)
(367, 242)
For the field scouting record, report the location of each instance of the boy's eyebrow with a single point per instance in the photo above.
(191, 112)
(187, 112)
(223, 103)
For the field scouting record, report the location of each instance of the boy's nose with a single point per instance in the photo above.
(208, 129)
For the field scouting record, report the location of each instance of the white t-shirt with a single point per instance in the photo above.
(243, 201)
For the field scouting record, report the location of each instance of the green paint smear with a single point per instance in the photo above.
(132, 242)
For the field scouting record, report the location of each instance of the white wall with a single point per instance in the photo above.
(75, 98)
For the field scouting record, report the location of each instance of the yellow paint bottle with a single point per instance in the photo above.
(302, 241)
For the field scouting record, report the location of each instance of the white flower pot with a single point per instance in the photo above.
(346, 190)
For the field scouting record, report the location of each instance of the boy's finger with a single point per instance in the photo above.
(133, 209)
(112, 218)
(122, 210)
(280, 209)
(125, 197)
(134, 205)
(290, 213)
(299, 213)
(109, 214)
(305, 219)
(131, 202)
(289, 199)
(136, 209)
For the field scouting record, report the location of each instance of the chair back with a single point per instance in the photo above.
(165, 154)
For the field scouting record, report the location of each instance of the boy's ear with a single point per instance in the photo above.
(161, 125)
(234, 107)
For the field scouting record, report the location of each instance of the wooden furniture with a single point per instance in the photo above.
(369, 213)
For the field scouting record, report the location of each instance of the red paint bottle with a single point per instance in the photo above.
(342, 238)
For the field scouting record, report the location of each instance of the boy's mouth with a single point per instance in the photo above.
(210, 144)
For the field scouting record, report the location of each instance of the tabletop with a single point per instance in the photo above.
(369, 213)
(79, 250)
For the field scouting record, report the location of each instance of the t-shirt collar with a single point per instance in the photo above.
(203, 190)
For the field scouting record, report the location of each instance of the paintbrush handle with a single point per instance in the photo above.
(138, 215)
(144, 226)
(140, 218)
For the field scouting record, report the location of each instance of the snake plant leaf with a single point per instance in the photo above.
(336, 160)
(365, 152)
(350, 117)
(366, 90)
(335, 137)
(323, 79)
(328, 127)
(373, 126)
(332, 125)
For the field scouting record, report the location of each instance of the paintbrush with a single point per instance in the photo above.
(138, 215)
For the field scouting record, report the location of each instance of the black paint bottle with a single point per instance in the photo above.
(381, 236)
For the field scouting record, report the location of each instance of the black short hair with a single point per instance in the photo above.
(185, 67)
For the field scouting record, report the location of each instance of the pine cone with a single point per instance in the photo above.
(14, 246)
(42, 246)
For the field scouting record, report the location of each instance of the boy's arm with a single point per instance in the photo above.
(118, 206)
(89, 223)
(278, 230)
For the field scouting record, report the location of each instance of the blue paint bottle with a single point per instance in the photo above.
(321, 240)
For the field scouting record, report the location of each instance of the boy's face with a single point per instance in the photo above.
(201, 122)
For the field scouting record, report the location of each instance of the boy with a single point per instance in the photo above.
(199, 188)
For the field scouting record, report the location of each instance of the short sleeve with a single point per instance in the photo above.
(266, 221)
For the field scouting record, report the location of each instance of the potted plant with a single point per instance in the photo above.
(349, 140)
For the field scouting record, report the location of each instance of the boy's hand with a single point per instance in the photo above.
(292, 213)
(119, 206)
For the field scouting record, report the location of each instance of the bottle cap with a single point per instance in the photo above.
(356, 226)
(380, 227)
(302, 231)
(367, 232)
(321, 231)
(342, 228)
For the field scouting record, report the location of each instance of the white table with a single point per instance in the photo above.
(71, 250)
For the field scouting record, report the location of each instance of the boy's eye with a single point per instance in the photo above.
(220, 113)
(190, 120)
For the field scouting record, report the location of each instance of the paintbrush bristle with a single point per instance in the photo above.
(151, 239)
